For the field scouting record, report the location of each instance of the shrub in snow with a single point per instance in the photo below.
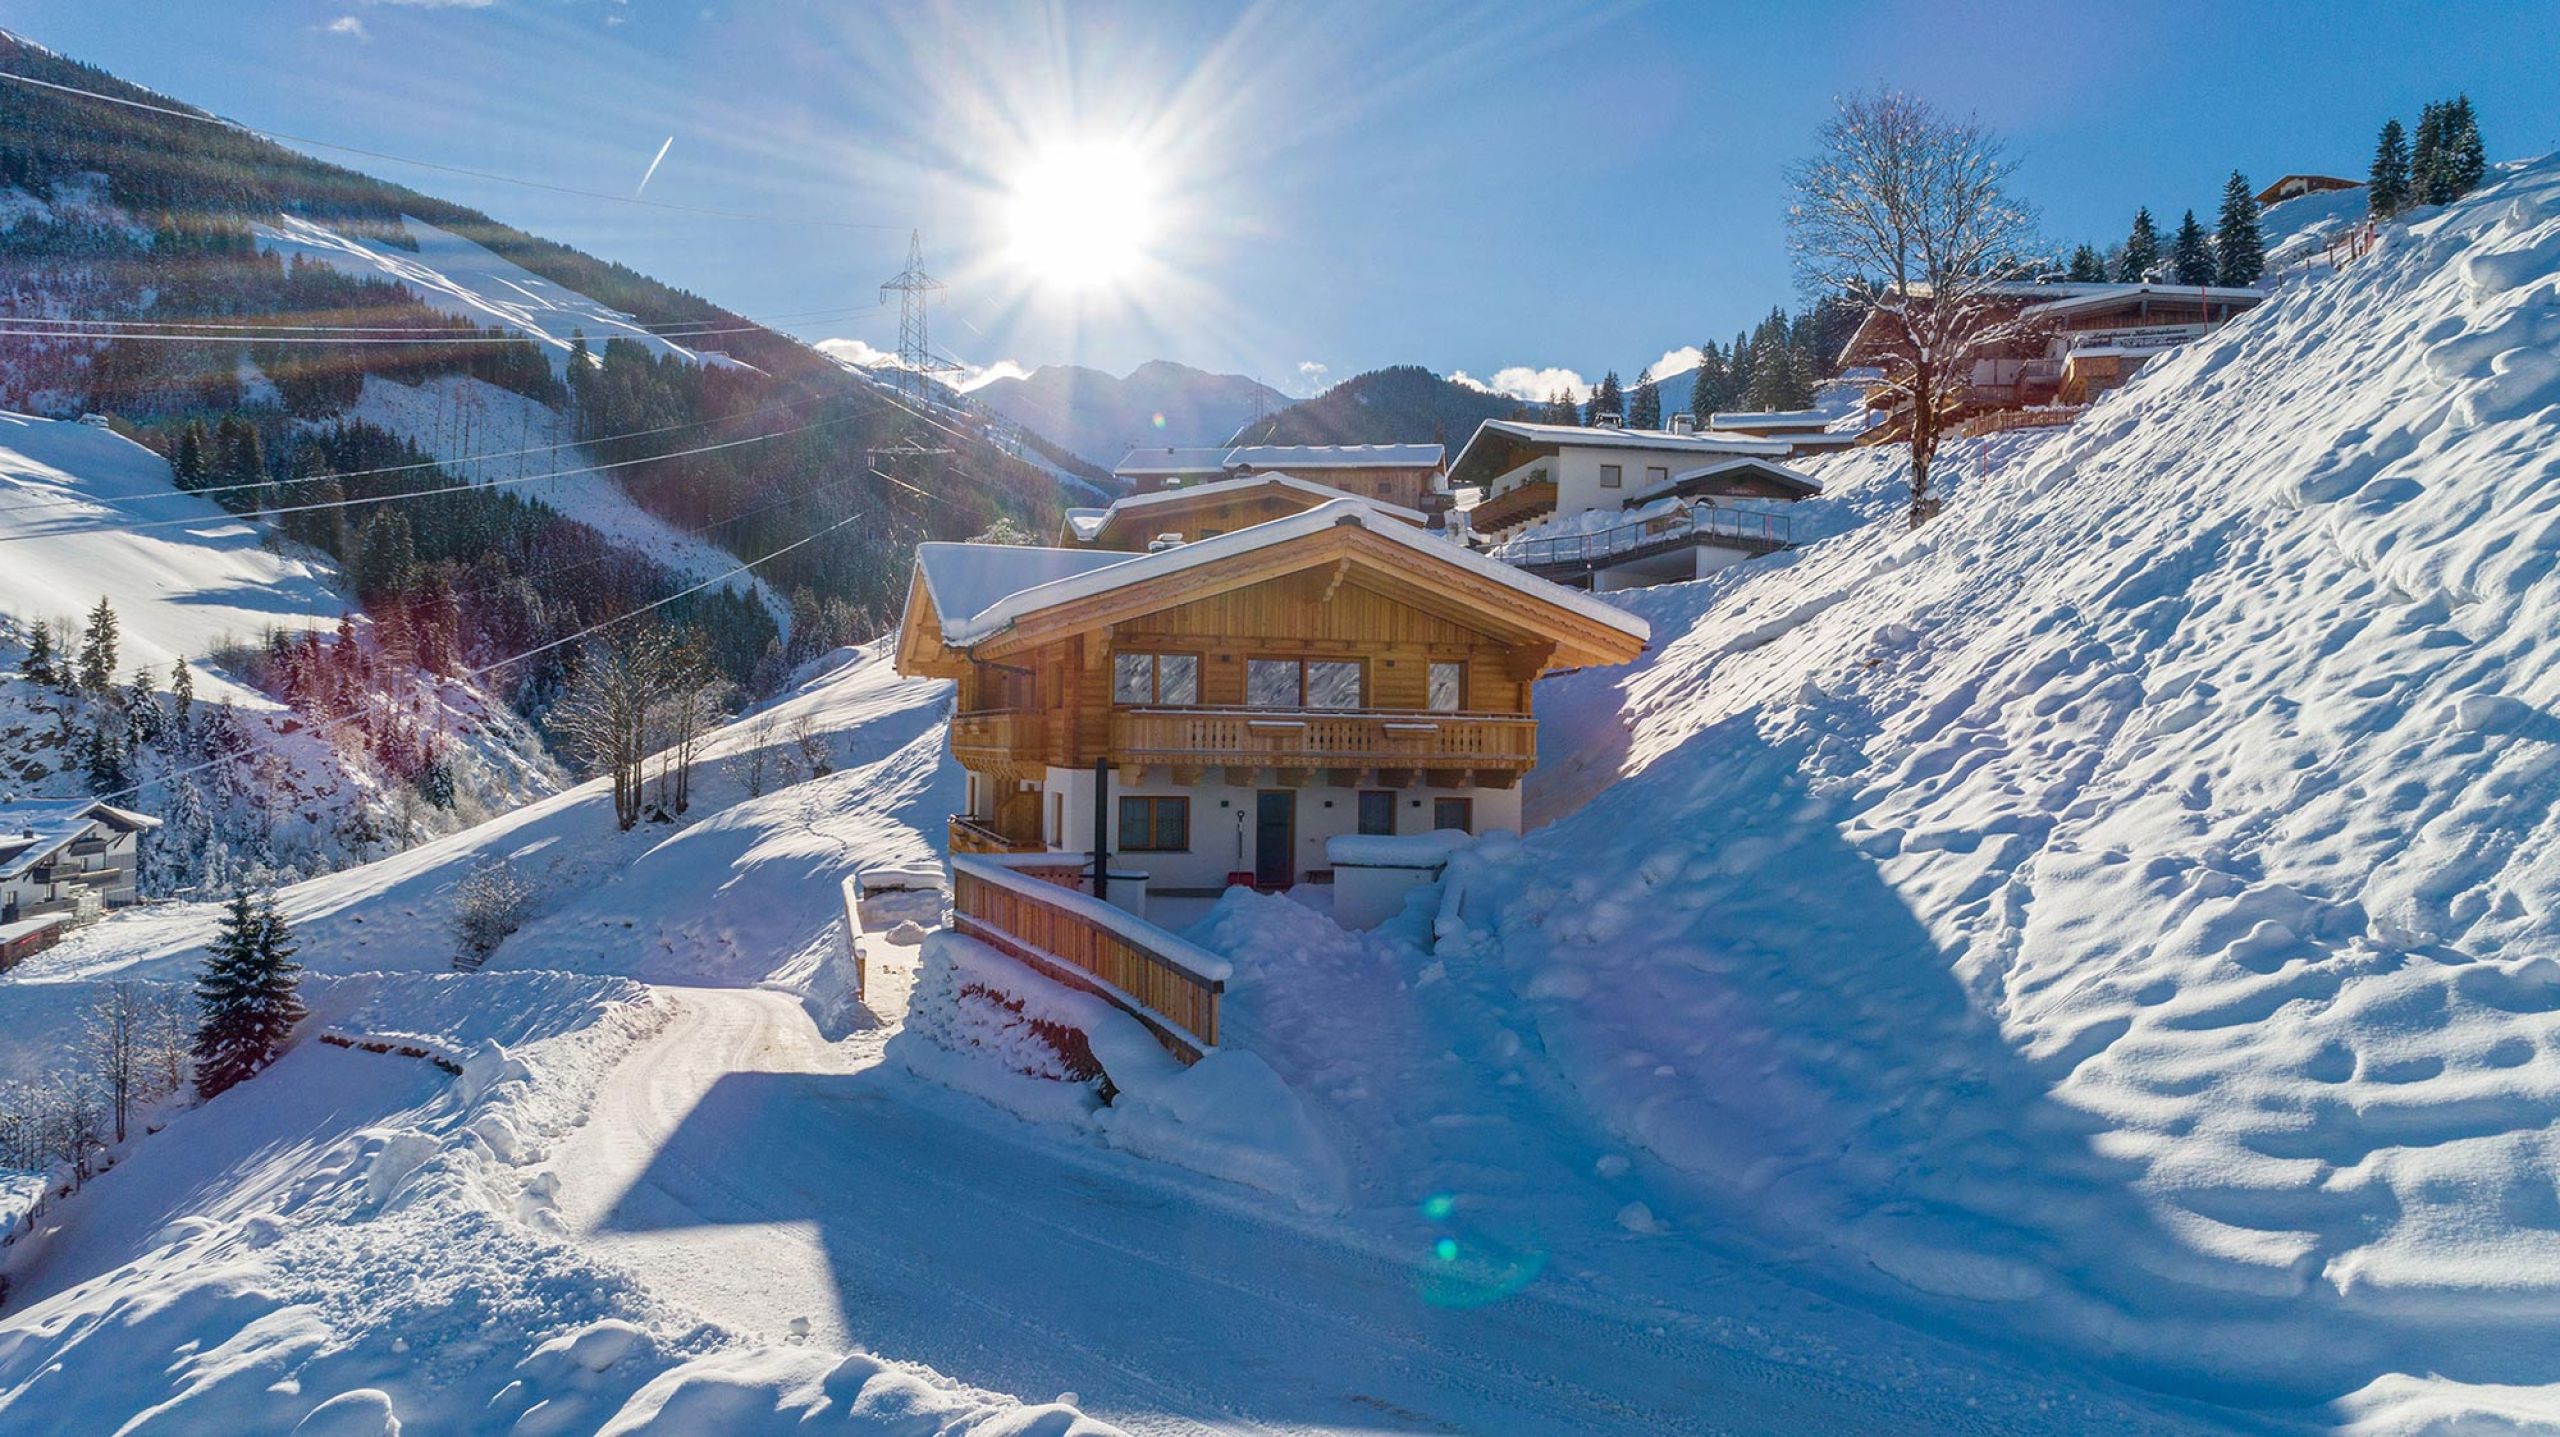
(492, 901)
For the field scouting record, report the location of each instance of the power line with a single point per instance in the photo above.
(234, 125)
(250, 330)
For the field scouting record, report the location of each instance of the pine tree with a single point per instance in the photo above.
(2427, 181)
(2239, 248)
(2086, 266)
(1609, 398)
(37, 666)
(2387, 190)
(2190, 254)
(190, 465)
(246, 1001)
(98, 649)
(1644, 410)
(2466, 160)
(2141, 253)
(1713, 387)
(182, 691)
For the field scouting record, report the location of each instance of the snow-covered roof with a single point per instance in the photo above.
(1171, 460)
(964, 579)
(2109, 296)
(1336, 456)
(1192, 492)
(1512, 433)
(1772, 419)
(33, 832)
(986, 594)
(2293, 186)
(1085, 523)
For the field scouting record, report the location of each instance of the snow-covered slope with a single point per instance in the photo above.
(178, 590)
(453, 275)
(2124, 911)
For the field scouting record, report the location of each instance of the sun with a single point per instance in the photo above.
(1082, 216)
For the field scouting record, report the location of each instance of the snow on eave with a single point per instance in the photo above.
(1246, 484)
(962, 631)
(1337, 456)
(1200, 460)
(964, 579)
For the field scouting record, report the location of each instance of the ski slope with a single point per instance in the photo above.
(200, 578)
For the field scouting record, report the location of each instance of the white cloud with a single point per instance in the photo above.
(980, 378)
(1522, 381)
(1311, 375)
(349, 26)
(1676, 361)
(862, 354)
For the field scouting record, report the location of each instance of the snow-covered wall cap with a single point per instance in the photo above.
(1101, 572)
(1172, 947)
(1245, 484)
(1402, 850)
(1336, 456)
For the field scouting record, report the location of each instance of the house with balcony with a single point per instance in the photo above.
(1205, 511)
(1407, 476)
(60, 864)
(1221, 708)
(2058, 346)
(1607, 508)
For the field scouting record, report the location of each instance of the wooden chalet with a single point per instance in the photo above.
(2294, 187)
(2062, 344)
(1231, 703)
(1409, 476)
(1205, 511)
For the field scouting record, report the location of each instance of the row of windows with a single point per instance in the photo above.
(1163, 825)
(1614, 477)
(1173, 680)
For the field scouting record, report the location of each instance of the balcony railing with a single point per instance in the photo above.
(1699, 524)
(968, 835)
(996, 733)
(1322, 738)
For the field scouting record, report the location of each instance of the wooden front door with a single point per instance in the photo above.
(1275, 838)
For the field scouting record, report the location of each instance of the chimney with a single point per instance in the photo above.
(1684, 423)
(1608, 421)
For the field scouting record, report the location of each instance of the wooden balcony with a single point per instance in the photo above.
(1496, 748)
(969, 835)
(1002, 743)
(1516, 505)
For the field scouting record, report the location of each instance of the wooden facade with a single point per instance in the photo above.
(1431, 657)
(1407, 486)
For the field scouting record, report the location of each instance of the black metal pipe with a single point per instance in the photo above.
(1101, 828)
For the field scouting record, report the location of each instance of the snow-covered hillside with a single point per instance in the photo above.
(2123, 912)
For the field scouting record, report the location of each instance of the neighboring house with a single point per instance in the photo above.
(2294, 187)
(1808, 432)
(1205, 511)
(60, 861)
(1611, 508)
(1406, 475)
(1230, 704)
(2063, 343)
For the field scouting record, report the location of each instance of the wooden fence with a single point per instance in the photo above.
(1167, 984)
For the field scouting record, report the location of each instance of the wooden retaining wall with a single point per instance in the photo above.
(1081, 941)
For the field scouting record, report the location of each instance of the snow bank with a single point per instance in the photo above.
(2119, 912)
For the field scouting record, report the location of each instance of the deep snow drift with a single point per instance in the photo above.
(2122, 913)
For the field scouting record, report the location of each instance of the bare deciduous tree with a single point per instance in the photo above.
(1907, 211)
(753, 764)
(815, 750)
(604, 718)
(492, 901)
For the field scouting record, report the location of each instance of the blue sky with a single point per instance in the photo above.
(1336, 186)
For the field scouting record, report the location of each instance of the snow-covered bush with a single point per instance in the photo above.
(492, 901)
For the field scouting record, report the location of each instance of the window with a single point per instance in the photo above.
(1302, 683)
(1612, 477)
(1155, 678)
(1448, 688)
(1155, 825)
(1656, 475)
(1457, 813)
(1378, 812)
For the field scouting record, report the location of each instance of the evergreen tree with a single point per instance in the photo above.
(2427, 181)
(190, 465)
(2086, 267)
(2141, 252)
(1609, 398)
(2190, 254)
(2466, 160)
(2239, 248)
(245, 997)
(37, 666)
(98, 649)
(182, 691)
(1739, 361)
(2387, 190)
(1713, 388)
(1644, 410)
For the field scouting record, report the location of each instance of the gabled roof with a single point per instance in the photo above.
(959, 578)
(1501, 445)
(2304, 185)
(33, 832)
(1166, 500)
(1744, 466)
(1336, 456)
(1170, 460)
